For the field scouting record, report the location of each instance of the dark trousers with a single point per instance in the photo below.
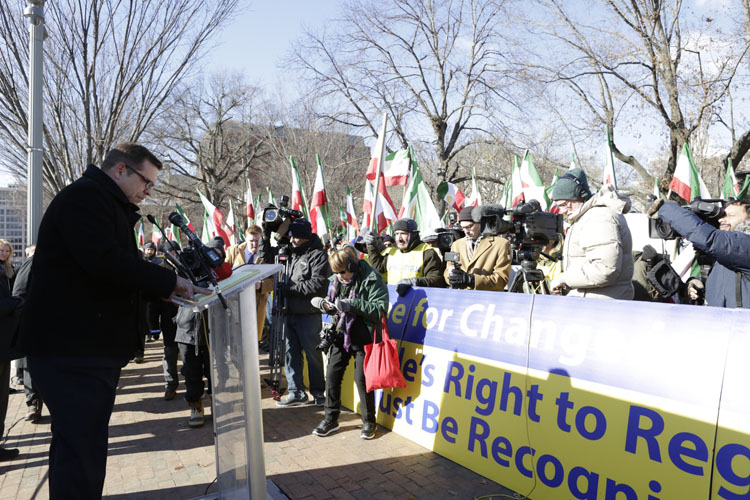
(195, 366)
(4, 393)
(338, 360)
(80, 396)
(167, 312)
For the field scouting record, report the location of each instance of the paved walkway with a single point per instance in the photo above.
(153, 454)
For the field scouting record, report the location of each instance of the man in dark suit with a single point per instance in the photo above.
(80, 323)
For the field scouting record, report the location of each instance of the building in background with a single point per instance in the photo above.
(13, 220)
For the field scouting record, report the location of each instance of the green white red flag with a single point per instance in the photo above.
(451, 194)
(140, 239)
(475, 198)
(231, 225)
(249, 205)
(657, 193)
(516, 196)
(184, 217)
(397, 167)
(155, 233)
(531, 182)
(319, 204)
(552, 208)
(216, 218)
(608, 174)
(207, 228)
(383, 206)
(271, 199)
(350, 217)
(573, 161)
(731, 188)
(298, 197)
(687, 181)
(417, 203)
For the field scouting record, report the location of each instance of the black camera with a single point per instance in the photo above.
(528, 224)
(274, 216)
(329, 335)
(708, 210)
(195, 261)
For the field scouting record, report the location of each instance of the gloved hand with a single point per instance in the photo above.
(459, 278)
(266, 231)
(403, 286)
(696, 289)
(322, 304)
(343, 305)
(372, 240)
(654, 208)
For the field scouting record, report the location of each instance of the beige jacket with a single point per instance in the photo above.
(598, 253)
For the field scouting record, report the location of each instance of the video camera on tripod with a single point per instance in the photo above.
(710, 211)
(529, 230)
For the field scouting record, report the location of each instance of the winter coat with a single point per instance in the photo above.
(192, 326)
(731, 249)
(236, 257)
(430, 274)
(597, 254)
(86, 303)
(369, 305)
(490, 263)
(10, 310)
(309, 273)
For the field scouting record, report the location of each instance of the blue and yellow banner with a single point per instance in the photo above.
(562, 397)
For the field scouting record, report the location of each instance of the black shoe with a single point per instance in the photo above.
(368, 430)
(169, 394)
(320, 401)
(325, 428)
(8, 454)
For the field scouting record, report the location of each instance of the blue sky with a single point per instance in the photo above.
(261, 35)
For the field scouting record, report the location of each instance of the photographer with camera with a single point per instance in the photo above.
(484, 260)
(728, 283)
(597, 253)
(307, 277)
(356, 300)
(411, 262)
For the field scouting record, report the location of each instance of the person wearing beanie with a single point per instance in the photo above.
(598, 247)
(410, 262)
(485, 260)
(307, 277)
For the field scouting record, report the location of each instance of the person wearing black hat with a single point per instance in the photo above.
(410, 262)
(308, 273)
(485, 260)
(597, 253)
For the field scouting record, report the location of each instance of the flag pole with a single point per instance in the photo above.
(374, 214)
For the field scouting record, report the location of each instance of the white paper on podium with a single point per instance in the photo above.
(241, 278)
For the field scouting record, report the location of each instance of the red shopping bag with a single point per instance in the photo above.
(382, 366)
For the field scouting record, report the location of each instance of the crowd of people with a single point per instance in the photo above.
(74, 355)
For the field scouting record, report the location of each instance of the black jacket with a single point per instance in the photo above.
(86, 279)
(309, 273)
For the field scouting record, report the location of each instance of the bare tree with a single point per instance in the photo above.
(109, 67)
(208, 139)
(436, 67)
(635, 59)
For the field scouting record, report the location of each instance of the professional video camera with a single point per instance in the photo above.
(454, 227)
(195, 261)
(274, 217)
(659, 273)
(529, 230)
(528, 225)
(708, 210)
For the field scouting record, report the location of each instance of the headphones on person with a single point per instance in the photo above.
(351, 265)
(581, 191)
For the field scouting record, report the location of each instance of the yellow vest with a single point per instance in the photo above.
(402, 265)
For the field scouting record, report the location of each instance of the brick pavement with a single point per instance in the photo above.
(153, 454)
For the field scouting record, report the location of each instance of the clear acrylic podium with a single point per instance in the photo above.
(236, 407)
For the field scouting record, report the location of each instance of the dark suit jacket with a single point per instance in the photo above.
(87, 278)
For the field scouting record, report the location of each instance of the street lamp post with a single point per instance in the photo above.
(34, 12)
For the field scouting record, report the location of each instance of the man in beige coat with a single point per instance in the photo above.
(598, 253)
(247, 253)
(485, 260)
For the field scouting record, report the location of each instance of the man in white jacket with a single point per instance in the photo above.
(597, 255)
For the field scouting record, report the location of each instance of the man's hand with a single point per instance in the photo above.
(696, 289)
(654, 208)
(185, 289)
(459, 278)
(558, 286)
(403, 286)
(372, 240)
